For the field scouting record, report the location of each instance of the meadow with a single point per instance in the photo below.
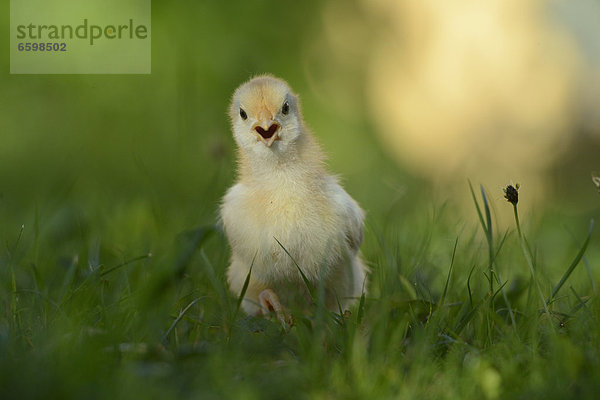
(112, 265)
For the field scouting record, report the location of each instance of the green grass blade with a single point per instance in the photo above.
(488, 215)
(194, 241)
(214, 280)
(469, 285)
(408, 287)
(478, 209)
(489, 237)
(581, 302)
(468, 316)
(529, 260)
(68, 279)
(245, 287)
(180, 316)
(340, 311)
(187, 245)
(361, 309)
(116, 267)
(13, 281)
(309, 286)
(507, 302)
(574, 264)
(449, 274)
(501, 244)
(498, 290)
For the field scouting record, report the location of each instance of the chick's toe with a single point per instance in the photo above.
(269, 302)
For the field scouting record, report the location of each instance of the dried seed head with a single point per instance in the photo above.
(511, 194)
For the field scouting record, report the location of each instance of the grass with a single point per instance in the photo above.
(107, 320)
(112, 272)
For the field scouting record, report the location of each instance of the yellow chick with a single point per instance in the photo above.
(285, 198)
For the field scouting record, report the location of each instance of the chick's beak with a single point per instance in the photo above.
(269, 135)
(267, 130)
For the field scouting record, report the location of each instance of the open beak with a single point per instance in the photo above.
(267, 132)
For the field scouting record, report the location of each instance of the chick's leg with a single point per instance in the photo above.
(269, 302)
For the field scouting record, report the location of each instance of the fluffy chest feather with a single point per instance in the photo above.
(303, 218)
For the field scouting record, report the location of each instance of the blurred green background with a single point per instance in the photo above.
(139, 157)
(159, 143)
(101, 169)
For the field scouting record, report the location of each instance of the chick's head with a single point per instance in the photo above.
(265, 117)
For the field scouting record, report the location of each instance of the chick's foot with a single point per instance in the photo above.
(269, 302)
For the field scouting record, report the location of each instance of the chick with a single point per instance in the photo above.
(285, 199)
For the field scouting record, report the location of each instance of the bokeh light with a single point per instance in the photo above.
(486, 89)
(490, 91)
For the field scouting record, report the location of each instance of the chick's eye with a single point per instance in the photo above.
(285, 109)
(243, 114)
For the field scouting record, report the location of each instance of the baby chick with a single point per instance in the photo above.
(284, 198)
